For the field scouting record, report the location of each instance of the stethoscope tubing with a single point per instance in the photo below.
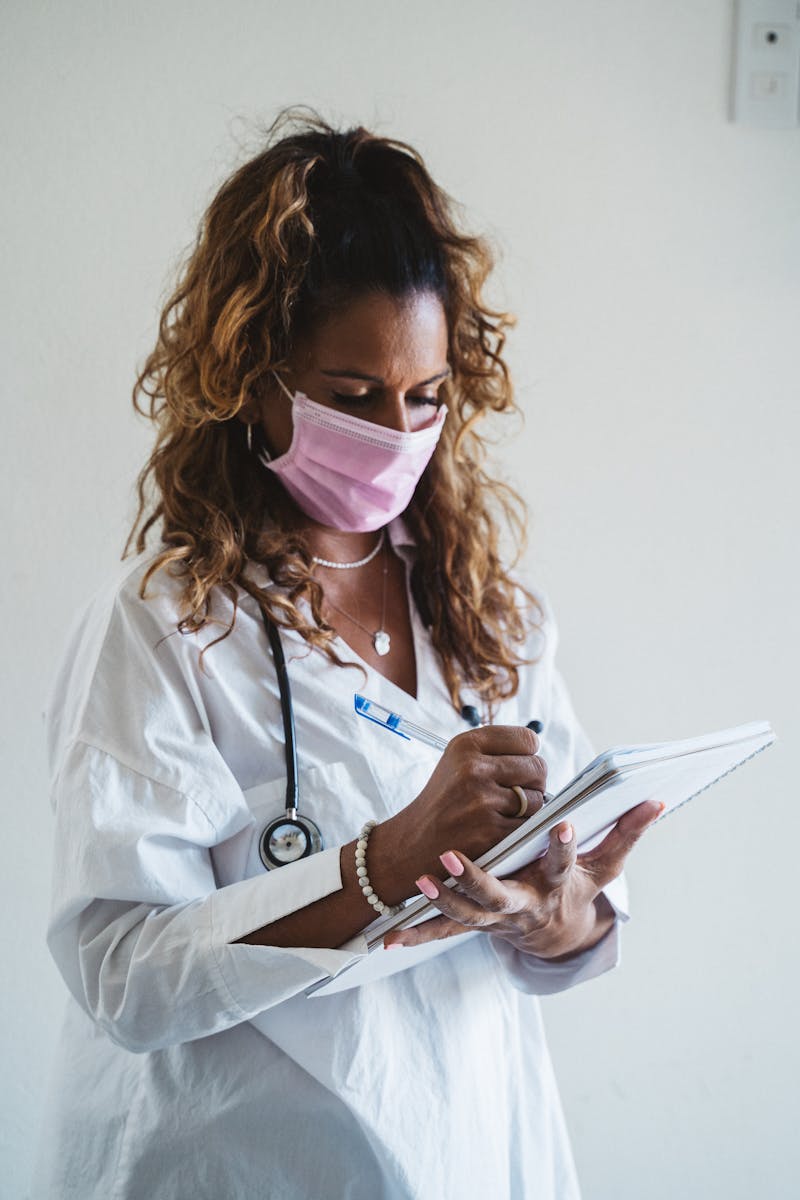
(287, 714)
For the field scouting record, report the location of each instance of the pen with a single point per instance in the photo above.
(407, 729)
(397, 724)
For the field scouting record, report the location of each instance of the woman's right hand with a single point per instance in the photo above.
(467, 802)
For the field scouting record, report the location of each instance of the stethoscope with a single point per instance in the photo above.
(292, 836)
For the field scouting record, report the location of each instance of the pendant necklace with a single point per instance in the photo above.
(381, 640)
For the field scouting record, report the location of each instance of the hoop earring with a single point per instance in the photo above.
(249, 438)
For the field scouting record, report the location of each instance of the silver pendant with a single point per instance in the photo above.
(382, 642)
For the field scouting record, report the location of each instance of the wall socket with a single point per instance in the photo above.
(766, 63)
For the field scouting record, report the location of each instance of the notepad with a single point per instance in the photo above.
(609, 786)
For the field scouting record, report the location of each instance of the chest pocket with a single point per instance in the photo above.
(331, 795)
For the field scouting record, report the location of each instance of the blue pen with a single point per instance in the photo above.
(397, 724)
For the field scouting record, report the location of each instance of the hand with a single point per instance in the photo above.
(550, 908)
(467, 802)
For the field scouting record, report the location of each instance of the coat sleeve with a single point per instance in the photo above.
(566, 749)
(144, 938)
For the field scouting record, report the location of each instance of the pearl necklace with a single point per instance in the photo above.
(381, 640)
(362, 562)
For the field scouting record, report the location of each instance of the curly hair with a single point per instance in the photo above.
(317, 218)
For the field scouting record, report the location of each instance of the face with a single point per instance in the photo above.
(380, 359)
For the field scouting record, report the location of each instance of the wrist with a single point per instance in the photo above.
(392, 863)
(380, 907)
(386, 869)
(353, 883)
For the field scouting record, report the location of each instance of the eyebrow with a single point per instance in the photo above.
(350, 374)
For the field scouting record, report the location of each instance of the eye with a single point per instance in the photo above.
(353, 401)
(367, 398)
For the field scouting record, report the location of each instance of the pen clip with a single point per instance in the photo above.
(362, 707)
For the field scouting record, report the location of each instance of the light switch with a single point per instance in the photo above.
(768, 85)
(766, 68)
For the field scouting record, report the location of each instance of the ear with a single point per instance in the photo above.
(250, 412)
(257, 405)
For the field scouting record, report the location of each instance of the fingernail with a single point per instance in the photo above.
(451, 863)
(427, 887)
(565, 835)
(392, 945)
(661, 808)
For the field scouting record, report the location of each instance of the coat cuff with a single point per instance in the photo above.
(257, 977)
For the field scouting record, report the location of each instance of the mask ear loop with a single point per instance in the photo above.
(264, 456)
(283, 385)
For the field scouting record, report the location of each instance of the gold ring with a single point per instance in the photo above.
(523, 799)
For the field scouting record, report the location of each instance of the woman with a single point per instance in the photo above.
(318, 384)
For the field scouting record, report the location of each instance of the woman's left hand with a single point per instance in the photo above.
(551, 908)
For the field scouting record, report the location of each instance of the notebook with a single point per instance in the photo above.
(612, 784)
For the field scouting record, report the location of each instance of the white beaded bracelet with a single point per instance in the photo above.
(368, 890)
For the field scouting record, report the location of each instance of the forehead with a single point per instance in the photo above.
(384, 336)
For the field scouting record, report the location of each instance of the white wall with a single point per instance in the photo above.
(651, 251)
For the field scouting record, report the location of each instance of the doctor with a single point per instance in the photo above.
(317, 390)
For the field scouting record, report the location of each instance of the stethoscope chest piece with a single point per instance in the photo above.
(287, 840)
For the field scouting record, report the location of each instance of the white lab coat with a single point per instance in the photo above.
(190, 1066)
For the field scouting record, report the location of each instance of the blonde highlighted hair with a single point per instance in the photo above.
(317, 218)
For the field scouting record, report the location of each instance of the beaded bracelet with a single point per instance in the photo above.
(381, 909)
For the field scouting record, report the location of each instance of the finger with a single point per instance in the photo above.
(477, 886)
(428, 931)
(606, 861)
(561, 854)
(495, 776)
(452, 903)
(501, 739)
(526, 779)
(524, 802)
(528, 772)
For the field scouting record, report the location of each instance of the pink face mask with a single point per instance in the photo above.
(349, 473)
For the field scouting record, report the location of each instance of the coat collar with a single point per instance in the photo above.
(400, 535)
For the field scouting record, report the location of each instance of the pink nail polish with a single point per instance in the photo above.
(451, 863)
(427, 887)
(565, 835)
